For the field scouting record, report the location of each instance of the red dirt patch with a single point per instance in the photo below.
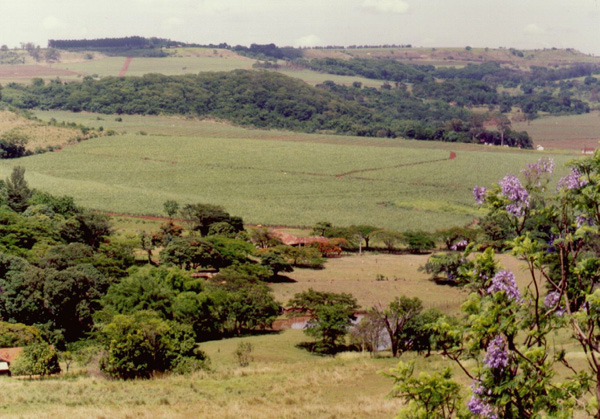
(33, 71)
(125, 67)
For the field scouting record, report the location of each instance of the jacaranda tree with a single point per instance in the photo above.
(509, 332)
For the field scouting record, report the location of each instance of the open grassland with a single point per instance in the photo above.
(572, 132)
(272, 177)
(282, 381)
(357, 275)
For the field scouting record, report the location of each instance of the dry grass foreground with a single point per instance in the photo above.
(282, 381)
(40, 135)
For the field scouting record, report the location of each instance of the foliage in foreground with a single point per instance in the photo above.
(508, 331)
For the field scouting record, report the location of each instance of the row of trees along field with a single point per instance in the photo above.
(269, 100)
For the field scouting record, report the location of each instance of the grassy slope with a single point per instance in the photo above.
(272, 177)
(39, 134)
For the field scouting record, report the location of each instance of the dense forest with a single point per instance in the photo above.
(268, 100)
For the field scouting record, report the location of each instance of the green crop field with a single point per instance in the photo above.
(111, 66)
(272, 177)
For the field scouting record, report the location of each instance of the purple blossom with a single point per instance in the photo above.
(583, 220)
(460, 245)
(479, 194)
(572, 181)
(535, 171)
(480, 408)
(496, 356)
(505, 281)
(552, 300)
(514, 191)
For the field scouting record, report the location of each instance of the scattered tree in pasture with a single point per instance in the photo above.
(418, 241)
(368, 333)
(397, 316)
(332, 314)
(363, 233)
(389, 238)
(171, 207)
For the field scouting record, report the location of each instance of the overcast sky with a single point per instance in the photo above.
(442, 23)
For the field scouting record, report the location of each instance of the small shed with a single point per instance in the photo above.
(8, 355)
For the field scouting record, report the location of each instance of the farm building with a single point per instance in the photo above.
(291, 240)
(8, 355)
(588, 150)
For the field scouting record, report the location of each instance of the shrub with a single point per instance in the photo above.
(36, 359)
(141, 344)
(242, 353)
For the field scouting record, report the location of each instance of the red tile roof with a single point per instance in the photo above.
(291, 240)
(9, 354)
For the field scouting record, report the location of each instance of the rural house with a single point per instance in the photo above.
(8, 355)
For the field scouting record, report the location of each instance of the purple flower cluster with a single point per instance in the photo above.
(535, 171)
(572, 181)
(480, 408)
(460, 245)
(479, 194)
(583, 220)
(505, 281)
(513, 190)
(496, 356)
(552, 300)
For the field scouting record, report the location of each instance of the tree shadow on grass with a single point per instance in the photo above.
(281, 279)
(445, 281)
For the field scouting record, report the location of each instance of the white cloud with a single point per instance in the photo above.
(308, 41)
(173, 22)
(52, 22)
(387, 6)
(534, 29)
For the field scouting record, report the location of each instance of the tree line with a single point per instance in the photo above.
(262, 99)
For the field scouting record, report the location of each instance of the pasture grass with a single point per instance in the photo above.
(282, 381)
(356, 274)
(273, 177)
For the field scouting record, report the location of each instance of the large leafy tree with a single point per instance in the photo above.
(332, 314)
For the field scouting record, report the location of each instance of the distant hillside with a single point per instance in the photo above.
(266, 100)
(129, 46)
